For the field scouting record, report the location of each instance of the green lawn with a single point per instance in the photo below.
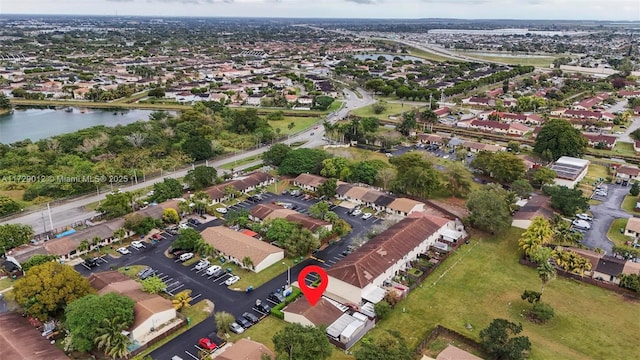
(621, 148)
(301, 123)
(263, 333)
(483, 281)
(6, 283)
(616, 232)
(334, 106)
(247, 160)
(542, 61)
(197, 313)
(249, 278)
(629, 204)
(132, 271)
(393, 109)
(356, 154)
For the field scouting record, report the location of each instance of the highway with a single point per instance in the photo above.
(73, 211)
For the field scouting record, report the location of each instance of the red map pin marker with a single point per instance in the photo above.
(313, 294)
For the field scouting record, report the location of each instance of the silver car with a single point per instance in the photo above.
(236, 328)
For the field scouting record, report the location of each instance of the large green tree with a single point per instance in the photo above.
(328, 189)
(300, 161)
(567, 201)
(8, 205)
(559, 138)
(110, 338)
(13, 235)
(48, 288)
(167, 189)
(187, 239)
(500, 342)
(489, 209)
(116, 204)
(37, 259)
(198, 148)
(388, 346)
(506, 167)
(415, 175)
(276, 154)
(201, 177)
(295, 341)
(84, 317)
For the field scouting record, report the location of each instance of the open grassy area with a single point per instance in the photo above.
(131, 271)
(357, 154)
(247, 160)
(301, 123)
(393, 109)
(263, 333)
(249, 278)
(483, 281)
(538, 61)
(621, 148)
(6, 283)
(596, 171)
(335, 106)
(629, 204)
(197, 313)
(616, 232)
(99, 105)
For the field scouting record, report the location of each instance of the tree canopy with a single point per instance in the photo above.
(567, 201)
(14, 235)
(559, 138)
(501, 343)
(167, 189)
(187, 239)
(116, 204)
(276, 154)
(300, 161)
(295, 341)
(84, 316)
(415, 175)
(201, 177)
(489, 209)
(48, 288)
(388, 346)
(8, 205)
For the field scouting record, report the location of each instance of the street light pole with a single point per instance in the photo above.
(288, 274)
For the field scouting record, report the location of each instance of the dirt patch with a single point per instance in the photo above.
(208, 308)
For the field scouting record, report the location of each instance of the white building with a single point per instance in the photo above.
(569, 171)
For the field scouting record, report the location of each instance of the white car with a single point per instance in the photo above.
(221, 210)
(236, 328)
(232, 280)
(137, 244)
(214, 269)
(581, 224)
(202, 264)
(186, 256)
(584, 217)
(123, 251)
(366, 216)
(183, 226)
(356, 212)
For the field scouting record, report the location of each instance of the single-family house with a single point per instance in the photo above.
(601, 141)
(442, 112)
(609, 269)
(537, 205)
(309, 182)
(245, 349)
(364, 272)
(255, 99)
(325, 312)
(430, 139)
(404, 206)
(452, 352)
(19, 340)
(479, 101)
(263, 212)
(219, 97)
(235, 246)
(306, 101)
(633, 227)
(627, 172)
(518, 129)
(291, 99)
(151, 311)
(627, 94)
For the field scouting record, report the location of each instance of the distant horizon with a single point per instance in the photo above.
(480, 10)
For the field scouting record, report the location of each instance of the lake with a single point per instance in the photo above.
(36, 124)
(386, 56)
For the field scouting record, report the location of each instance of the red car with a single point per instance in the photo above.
(156, 236)
(207, 344)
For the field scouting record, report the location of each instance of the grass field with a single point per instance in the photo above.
(393, 109)
(615, 232)
(356, 154)
(235, 164)
(301, 123)
(542, 61)
(249, 278)
(6, 283)
(629, 204)
(483, 281)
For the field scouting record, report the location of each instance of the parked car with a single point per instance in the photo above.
(366, 216)
(146, 273)
(194, 221)
(252, 318)
(232, 280)
(212, 270)
(236, 328)
(584, 217)
(156, 236)
(137, 244)
(243, 322)
(581, 224)
(276, 297)
(263, 308)
(124, 251)
(186, 256)
(221, 210)
(356, 212)
(183, 226)
(207, 344)
(202, 264)
(91, 262)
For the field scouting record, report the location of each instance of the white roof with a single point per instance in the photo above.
(568, 160)
(334, 330)
(351, 328)
(373, 294)
(368, 309)
(451, 234)
(360, 316)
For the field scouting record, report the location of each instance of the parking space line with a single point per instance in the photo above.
(85, 265)
(219, 277)
(271, 301)
(176, 288)
(176, 260)
(326, 265)
(330, 262)
(163, 277)
(190, 354)
(172, 284)
(222, 282)
(195, 297)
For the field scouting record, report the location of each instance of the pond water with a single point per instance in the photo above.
(386, 56)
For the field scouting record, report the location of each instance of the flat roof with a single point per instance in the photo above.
(569, 168)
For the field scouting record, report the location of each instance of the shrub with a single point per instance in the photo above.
(541, 312)
(277, 310)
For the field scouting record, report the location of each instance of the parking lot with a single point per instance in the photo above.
(178, 277)
(603, 215)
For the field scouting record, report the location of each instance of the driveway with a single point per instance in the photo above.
(603, 216)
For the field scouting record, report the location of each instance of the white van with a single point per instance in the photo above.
(214, 269)
(186, 256)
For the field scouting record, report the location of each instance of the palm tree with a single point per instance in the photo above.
(537, 234)
(546, 273)
(83, 246)
(528, 245)
(111, 339)
(119, 234)
(582, 264)
(247, 262)
(182, 300)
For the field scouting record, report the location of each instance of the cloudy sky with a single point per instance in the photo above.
(467, 9)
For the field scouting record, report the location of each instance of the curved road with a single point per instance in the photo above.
(73, 211)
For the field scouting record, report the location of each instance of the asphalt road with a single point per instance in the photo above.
(178, 277)
(603, 216)
(73, 211)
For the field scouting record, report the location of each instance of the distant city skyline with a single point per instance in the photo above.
(624, 10)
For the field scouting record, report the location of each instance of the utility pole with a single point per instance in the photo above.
(50, 219)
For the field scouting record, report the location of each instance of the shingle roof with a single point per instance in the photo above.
(384, 200)
(633, 224)
(262, 211)
(310, 180)
(66, 244)
(21, 341)
(371, 196)
(307, 221)
(245, 349)
(378, 254)
(610, 265)
(403, 204)
(342, 189)
(357, 192)
(237, 244)
(323, 313)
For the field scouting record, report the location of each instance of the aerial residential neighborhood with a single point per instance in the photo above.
(262, 180)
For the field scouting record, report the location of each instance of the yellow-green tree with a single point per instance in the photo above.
(182, 300)
(47, 289)
(170, 216)
(537, 234)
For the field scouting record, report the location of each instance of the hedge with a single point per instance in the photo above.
(277, 310)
